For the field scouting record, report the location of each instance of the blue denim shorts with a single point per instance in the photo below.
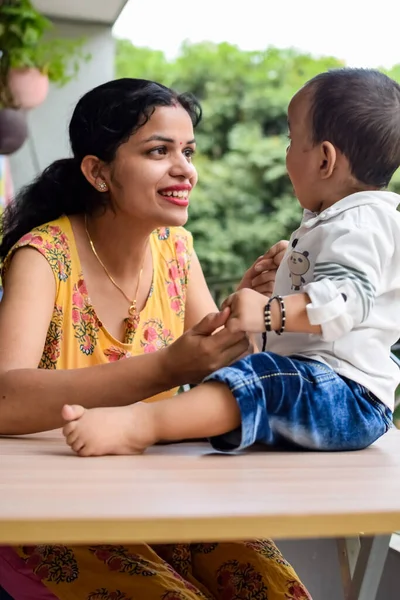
(299, 402)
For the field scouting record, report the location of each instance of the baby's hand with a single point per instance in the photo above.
(247, 311)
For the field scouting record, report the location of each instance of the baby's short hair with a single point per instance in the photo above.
(358, 111)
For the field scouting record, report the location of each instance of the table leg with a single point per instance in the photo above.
(362, 561)
(348, 551)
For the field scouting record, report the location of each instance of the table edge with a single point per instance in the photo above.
(102, 531)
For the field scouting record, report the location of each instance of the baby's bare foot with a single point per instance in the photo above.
(100, 431)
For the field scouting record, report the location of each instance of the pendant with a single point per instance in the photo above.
(132, 309)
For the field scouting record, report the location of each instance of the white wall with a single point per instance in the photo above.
(48, 124)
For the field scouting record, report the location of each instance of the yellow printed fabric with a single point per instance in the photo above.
(76, 337)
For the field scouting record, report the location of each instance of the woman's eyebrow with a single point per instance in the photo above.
(161, 138)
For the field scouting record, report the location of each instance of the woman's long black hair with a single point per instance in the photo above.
(103, 119)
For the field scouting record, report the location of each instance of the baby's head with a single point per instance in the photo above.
(344, 128)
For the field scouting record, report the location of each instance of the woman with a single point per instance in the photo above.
(109, 221)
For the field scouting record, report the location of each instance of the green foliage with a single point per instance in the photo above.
(244, 201)
(22, 29)
(395, 183)
(130, 60)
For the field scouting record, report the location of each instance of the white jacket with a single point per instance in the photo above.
(347, 259)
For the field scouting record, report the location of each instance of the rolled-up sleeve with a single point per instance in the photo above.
(346, 278)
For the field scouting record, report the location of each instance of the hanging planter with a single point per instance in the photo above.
(13, 130)
(28, 87)
(28, 61)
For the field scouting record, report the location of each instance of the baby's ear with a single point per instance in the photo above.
(328, 159)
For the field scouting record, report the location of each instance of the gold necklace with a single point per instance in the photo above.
(132, 303)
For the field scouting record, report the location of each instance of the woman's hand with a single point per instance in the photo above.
(202, 349)
(261, 275)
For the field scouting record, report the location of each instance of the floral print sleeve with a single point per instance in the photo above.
(181, 243)
(52, 243)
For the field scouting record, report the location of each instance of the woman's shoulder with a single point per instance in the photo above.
(52, 240)
(54, 232)
(174, 241)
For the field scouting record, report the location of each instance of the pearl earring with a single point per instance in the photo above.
(102, 186)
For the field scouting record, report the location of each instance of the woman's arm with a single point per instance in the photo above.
(199, 301)
(31, 399)
(261, 275)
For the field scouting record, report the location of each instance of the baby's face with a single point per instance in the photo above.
(302, 157)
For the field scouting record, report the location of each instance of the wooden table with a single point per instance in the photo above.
(185, 492)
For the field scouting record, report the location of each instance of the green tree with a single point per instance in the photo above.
(244, 201)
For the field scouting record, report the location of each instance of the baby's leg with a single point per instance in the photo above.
(263, 398)
(208, 410)
(99, 431)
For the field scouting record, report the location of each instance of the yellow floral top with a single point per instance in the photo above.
(76, 337)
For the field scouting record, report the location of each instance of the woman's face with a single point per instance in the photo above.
(152, 175)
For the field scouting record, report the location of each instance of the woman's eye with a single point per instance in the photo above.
(163, 150)
(159, 151)
(189, 152)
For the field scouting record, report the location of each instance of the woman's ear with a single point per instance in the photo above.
(328, 159)
(91, 167)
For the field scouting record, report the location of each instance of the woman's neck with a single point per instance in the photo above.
(121, 243)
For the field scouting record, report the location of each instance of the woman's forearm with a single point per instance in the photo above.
(31, 399)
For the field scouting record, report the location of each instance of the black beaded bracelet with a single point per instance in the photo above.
(283, 313)
(267, 324)
(268, 318)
